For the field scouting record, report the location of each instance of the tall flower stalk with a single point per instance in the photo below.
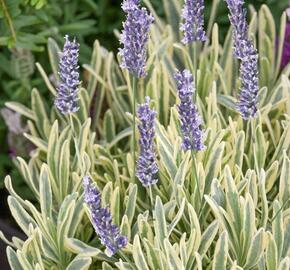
(193, 29)
(245, 51)
(66, 100)
(192, 134)
(108, 233)
(134, 39)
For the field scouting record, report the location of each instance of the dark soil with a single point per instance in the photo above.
(8, 227)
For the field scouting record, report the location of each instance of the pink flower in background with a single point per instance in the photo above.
(17, 144)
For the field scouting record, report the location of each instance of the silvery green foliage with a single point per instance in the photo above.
(242, 221)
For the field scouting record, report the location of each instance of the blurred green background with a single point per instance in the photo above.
(25, 26)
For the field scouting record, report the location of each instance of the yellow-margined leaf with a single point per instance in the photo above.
(221, 253)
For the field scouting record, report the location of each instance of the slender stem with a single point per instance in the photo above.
(212, 18)
(126, 259)
(151, 196)
(196, 176)
(134, 86)
(9, 20)
(76, 144)
(254, 145)
(281, 208)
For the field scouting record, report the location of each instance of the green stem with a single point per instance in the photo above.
(196, 176)
(9, 20)
(281, 208)
(134, 86)
(151, 196)
(79, 160)
(126, 259)
(212, 18)
(254, 145)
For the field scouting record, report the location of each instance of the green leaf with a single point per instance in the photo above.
(13, 260)
(131, 203)
(45, 193)
(109, 126)
(53, 54)
(138, 255)
(172, 257)
(256, 250)
(208, 237)
(80, 263)
(221, 253)
(23, 110)
(160, 222)
(271, 254)
(20, 215)
(284, 187)
(64, 168)
(166, 151)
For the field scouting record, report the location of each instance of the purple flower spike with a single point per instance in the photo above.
(192, 28)
(66, 100)
(135, 37)
(147, 168)
(102, 220)
(245, 51)
(248, 97)
(188, 113)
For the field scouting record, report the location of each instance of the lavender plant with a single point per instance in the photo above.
(236, 218)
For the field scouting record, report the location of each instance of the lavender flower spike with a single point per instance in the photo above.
(134, 38)
(66, 100)
(192, 28)
(238, 19)
(147, 168)
(102, 220)
(188, 113)
(245, 51)
(248, 97)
